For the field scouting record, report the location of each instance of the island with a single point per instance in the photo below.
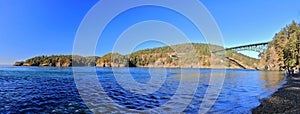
(175, 56)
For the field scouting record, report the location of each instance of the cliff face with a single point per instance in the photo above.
(113, 60)
(269, 60)
(61, 63)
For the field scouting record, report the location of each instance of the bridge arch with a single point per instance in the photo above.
(258, 47)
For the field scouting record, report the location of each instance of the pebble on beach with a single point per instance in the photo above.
(285, 100)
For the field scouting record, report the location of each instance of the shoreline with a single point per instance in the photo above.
(205, 67)
(285, 100)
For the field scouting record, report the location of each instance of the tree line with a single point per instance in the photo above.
(284, 49)
(187, 55)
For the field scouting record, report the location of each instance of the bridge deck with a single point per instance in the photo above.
(244, 46)
(249, 45)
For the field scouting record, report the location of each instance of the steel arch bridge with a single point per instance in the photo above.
(258, 47)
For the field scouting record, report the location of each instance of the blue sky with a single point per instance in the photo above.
(44, 27)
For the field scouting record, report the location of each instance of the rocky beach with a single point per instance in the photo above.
(285, 100)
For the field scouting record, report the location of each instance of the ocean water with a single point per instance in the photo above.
(136, 90)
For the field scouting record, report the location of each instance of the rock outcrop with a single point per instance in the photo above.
(18, 64)
(27, 64)
(46, 64)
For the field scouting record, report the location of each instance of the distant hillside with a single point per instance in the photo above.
(193, 55)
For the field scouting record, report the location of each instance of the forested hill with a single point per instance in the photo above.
(194, 55)
(59, 60)
(284, 50)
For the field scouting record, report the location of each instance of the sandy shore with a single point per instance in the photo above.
(285, 100)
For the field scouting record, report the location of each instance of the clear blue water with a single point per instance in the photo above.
(54, 90)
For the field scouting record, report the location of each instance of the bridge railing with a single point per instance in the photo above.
(258, 47)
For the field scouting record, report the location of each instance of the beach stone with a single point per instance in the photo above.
(285, 100)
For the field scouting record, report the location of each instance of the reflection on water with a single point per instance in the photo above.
(243, 89)
(53, 90)
(272, 79)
